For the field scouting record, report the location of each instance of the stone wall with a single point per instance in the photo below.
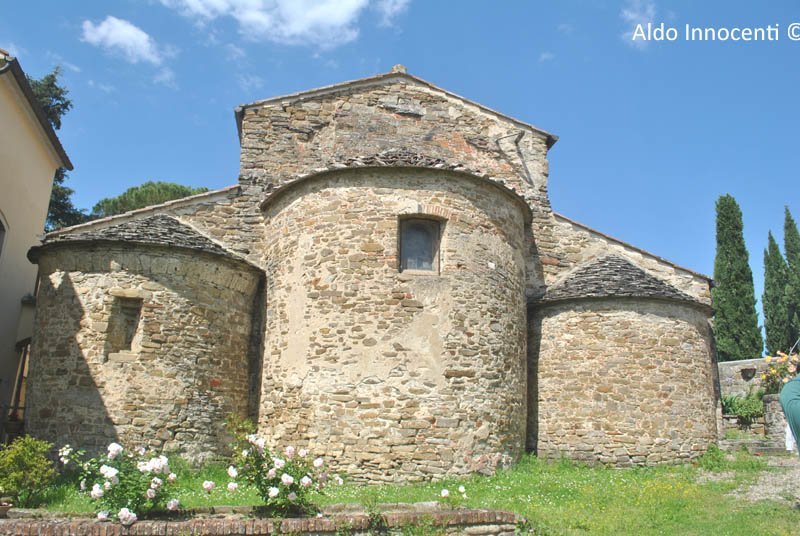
(622, 382)
(187, 367)
(740, 377)
(396, 376)
(282, 138)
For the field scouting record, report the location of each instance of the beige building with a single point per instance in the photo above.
(386, 285)
(30, 154)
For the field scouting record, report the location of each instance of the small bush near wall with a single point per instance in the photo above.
(25, 470)
(747, 409)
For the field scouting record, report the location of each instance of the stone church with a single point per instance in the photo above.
(386, 285)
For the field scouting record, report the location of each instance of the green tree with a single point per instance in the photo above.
(791, 245)
(735, 321)
(776, 314)
(52, 97)
(149, 193)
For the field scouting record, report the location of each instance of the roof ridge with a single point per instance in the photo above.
(378, 79)
(659, 258)
(132, 214)
(159, 230)
(612, 275)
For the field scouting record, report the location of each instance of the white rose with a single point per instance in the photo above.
(96, 492)
(114, 450)
(126, 517)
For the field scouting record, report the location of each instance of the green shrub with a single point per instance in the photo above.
(713, 459)
(25, 470)
(746, 408)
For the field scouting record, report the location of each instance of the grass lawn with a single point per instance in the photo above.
(557, 497)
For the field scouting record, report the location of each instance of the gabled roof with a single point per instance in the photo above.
(10, 65)
(561, 217)
(612, 276)
(158, 230)
(116, 219)
(398, 73)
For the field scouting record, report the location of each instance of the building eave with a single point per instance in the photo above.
(144, 211)
(13, 68)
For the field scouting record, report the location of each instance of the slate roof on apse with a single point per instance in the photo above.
(612, 276)
(159, 230)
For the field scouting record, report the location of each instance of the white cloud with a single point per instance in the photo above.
(546, 56)
(121, 37)
(566, 28)
(105, 88)
(166, 77)
(250, 82)
(61, 61)
(322, 23)
(634, 13)
(389, 9)
(234, 53)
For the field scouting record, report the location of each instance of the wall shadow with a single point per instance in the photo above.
(64, 401)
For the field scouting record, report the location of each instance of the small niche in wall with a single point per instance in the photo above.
(124, 327)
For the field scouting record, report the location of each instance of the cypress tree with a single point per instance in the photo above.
(735, 321)
(791, 245)
(776, 315)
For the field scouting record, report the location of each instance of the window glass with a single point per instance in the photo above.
(419, 245)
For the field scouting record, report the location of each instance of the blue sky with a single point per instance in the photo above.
(651, 133)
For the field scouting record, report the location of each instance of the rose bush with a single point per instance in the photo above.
(124, 484)
(285, 482)
(780, 369)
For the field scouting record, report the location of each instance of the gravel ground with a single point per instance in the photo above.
(782, 483)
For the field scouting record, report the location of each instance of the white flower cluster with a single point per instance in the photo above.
(64, 454)
(126, 517)
(445, 493)
(114, 450)
(158, 465)
(258, 442)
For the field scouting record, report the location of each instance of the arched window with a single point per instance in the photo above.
(419, 244)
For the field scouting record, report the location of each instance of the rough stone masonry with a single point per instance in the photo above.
(285, 298)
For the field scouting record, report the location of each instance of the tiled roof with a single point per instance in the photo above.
(612, 276)
(159, 230)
